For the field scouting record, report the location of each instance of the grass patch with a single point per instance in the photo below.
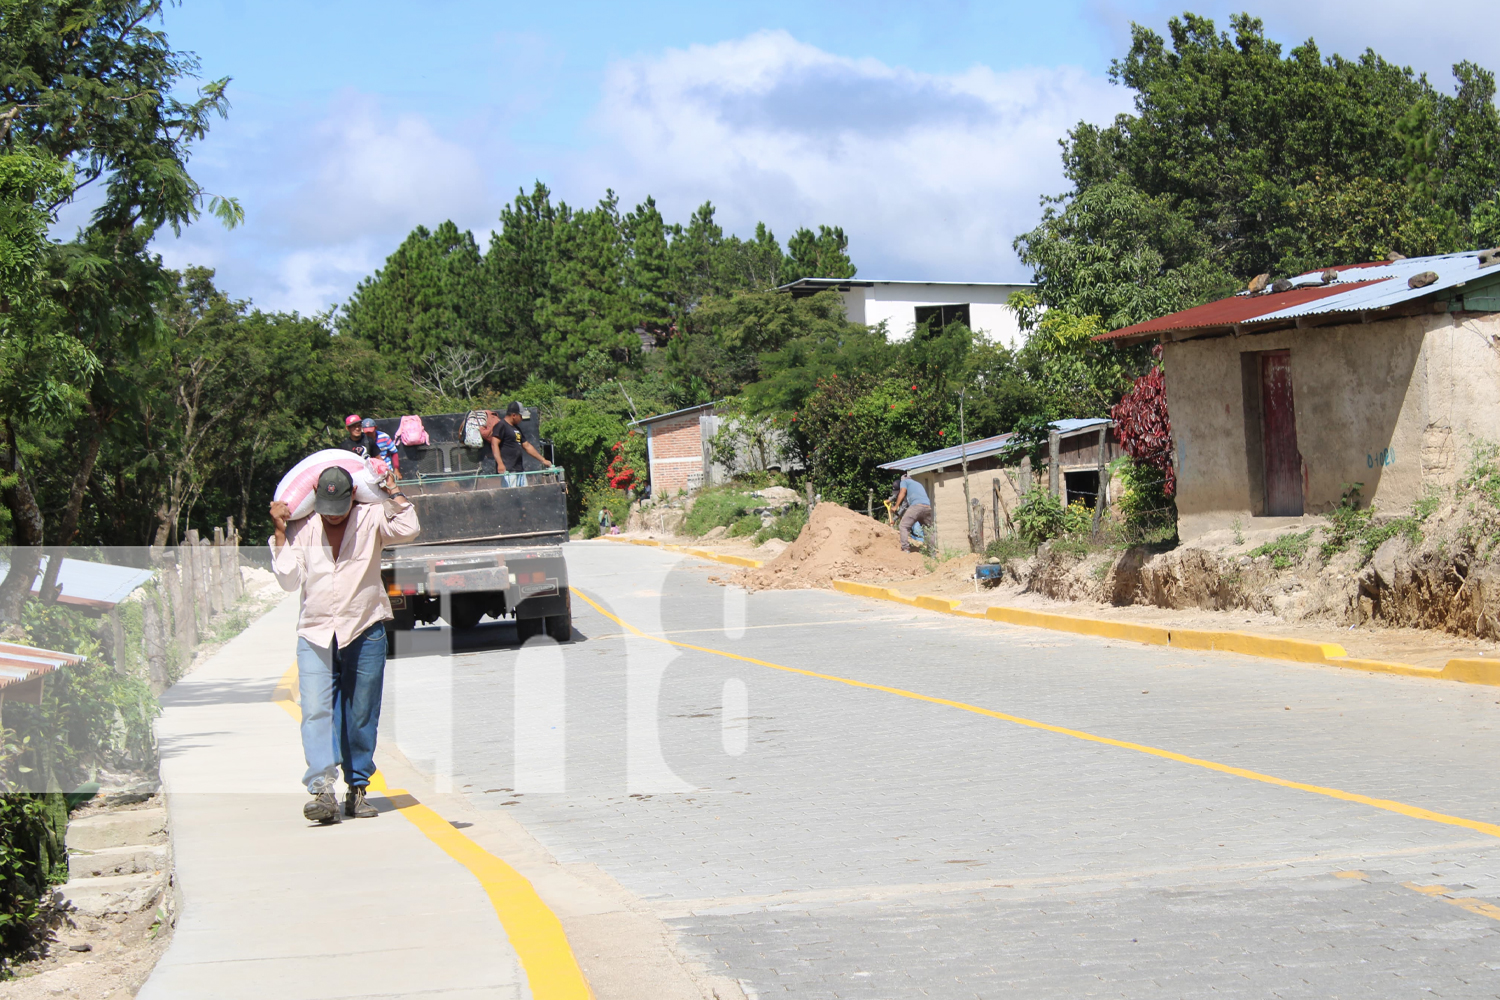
(717, 509)
(787, 526)
(1072, 545)
(747, 525)
(1285, 551)
(1352, 526)
(1012, 547)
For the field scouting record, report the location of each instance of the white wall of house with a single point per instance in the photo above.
(895, 303)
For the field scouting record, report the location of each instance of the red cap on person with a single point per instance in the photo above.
(351, 420)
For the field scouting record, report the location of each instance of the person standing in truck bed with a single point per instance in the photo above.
(509, 444)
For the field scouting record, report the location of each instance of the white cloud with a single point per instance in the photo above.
(931, 175)
(327, 198)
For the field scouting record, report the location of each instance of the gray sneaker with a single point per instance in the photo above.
(324, 808)
(356, 807)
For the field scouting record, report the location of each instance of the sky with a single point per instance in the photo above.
(927, 131)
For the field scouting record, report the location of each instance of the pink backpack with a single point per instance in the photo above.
(411, 431)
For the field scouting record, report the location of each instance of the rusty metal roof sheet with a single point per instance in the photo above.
(1359, 288)
(20, 664)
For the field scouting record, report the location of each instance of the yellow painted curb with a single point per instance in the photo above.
(534, 930)
(870, 590)
(286, 693)
(1269, 647)
(745, 561)
(1149, 634)
(1328, 654)
(1467, 671)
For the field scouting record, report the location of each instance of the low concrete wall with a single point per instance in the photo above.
(1396, 405)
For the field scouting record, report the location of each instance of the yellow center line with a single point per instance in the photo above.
(535, 932)
(1445, 894)
(1389, 805)
(746, 628)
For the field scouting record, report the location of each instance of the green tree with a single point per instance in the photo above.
(1240, 160)
(821, 255)
(92, 84)
(429, 300)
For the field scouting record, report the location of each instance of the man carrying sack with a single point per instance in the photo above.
(334, 556)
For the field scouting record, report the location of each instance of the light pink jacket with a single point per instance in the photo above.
(341, 598)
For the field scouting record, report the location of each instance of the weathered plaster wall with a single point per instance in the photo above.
(946, 488)
(1393, 405)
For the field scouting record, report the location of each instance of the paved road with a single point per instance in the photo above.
(817, 839)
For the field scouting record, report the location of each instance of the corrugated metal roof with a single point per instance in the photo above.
(19, 664)
(983, 448)
(1359, 288)
(91, 584)
(673, 413)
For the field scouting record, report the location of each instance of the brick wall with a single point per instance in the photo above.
(676, 453)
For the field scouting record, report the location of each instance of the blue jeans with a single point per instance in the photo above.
(340, 690)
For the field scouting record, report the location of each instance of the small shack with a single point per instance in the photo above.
(677, 447)
(681, 452)
(1070, 468)
(1383, 374)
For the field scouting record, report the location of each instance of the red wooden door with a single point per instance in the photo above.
(1279, 436)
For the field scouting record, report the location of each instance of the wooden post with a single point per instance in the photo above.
(222, 562)
(210, 591)
(154, 632)
(236, 579)
(976, 518)
(1099, 488)
(1000, 505)
(117, 640)
(193, 557)
(1027, 480)
(184, 621)
(870, 505)
(213, 548)
(810, 497)
(1055, 480)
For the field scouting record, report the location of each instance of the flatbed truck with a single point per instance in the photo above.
(491, 542)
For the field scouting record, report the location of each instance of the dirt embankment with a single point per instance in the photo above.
(837, 543)
(1444, 576)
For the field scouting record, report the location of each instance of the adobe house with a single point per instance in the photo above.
(1385, 374)
(1074, 443)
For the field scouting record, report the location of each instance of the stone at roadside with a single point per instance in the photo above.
(772, 547)
(715, 533)
(779, 496)
(114, 895)
(117, 829)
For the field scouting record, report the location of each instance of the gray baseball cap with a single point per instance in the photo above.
(335, 492)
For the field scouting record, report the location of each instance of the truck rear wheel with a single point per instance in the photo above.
(528, 628)
(560, 627)
(464, 612)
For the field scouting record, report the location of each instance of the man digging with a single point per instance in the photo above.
(334, 556)
(919, 511)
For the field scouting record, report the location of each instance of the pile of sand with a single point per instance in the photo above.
(836, 544)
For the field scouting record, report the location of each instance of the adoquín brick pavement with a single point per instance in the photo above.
(867, 845)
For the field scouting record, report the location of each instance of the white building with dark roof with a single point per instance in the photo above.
(901, 305)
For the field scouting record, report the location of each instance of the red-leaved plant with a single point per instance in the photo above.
(1143, 427)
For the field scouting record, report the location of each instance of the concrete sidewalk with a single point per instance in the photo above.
(275, 906)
